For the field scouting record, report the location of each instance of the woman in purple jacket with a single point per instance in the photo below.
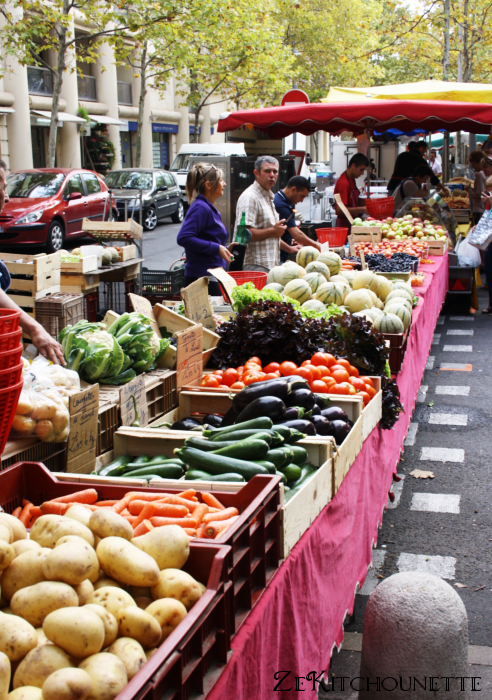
(203, 235)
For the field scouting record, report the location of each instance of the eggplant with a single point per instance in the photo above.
(270, 406)
(322, 401)
(229, 418)
(186, 424)
(281, 388)
(295, 412)
(321, 425)
(316, 411)
(339, 429)
(213, 419)
(304, 426)
(302, 397)
(334, 413)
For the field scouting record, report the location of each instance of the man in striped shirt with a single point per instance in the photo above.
(262, 218)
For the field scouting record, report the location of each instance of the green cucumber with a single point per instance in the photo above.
(283, 479)
(158, 463)
(292, 472)
(218, 464)
(143, 459)
(197, 475)
(207, 445)
(265, 435)
(288, 451)
(193, 474)
(245, 449)
(278, 457)
(268, 465)
(166, 471)
(307, 470)
(262, 423)
(300, 455)
(116, 467)
(295, 435)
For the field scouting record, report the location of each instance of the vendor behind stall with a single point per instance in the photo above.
(410, 187)
(406, 163)
(285, 200)
(348, 190)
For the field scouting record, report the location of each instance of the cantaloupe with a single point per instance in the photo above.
(363, 279)
(401, 311)
(319, 267)
(389, 323)
(398, 293)
(332, 260)
(274, 286)
(399, 300)
(330, 293)
(314, 305)
(384, 288)
(306, 255)
(375, 299)
(358, 300)
(348, 275)
(315, 280)
(294, 269)
(298, 290)
(400, 284)
(374, 313)
(366, 314)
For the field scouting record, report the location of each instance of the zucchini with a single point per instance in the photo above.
(158, 463)
(278, 457)
(292, 472)
(116, 467)
(143, 459)
(193, 474)
(207, 445)
(283, 479)
(295, 435)
(166, 471)
(196, 474)
(265, 435)
(245, 449)
(307, 470)
(300, 454)
(268, 465)
(262, 423)
(218, 464)
(288, 451)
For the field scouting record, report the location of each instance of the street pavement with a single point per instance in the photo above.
(442, 525)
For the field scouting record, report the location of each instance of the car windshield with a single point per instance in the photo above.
(130, 180)
(34, 185)
(181, 162)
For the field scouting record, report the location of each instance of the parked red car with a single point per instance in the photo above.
(47, 206)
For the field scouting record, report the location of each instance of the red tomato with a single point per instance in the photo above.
(365, 397)
(252, 366)
(330, 360)
(367, 380)
(340, 389)
(344, 363)
(271, 375)
(324, 371)
(271, 367)
(305, 373)
(358, 383)
(319, 387)
(238, 385)
(224, 386)
(315, 372)
(256, 360)
(211, 382)
(353, 371)
(371, 391)
(340, 375)
(252, 379)
(287, 369)
(240, 369)
(319, 359)
(230, 376)
(218, 372)
(306, 363)
(333, 368)
(329, 381)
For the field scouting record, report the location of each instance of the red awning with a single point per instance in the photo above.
(378, 115)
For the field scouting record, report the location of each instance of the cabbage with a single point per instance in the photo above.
(139, 341)
(92, 352)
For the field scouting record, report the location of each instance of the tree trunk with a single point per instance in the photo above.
(196, 135)
(316, 146)
(57, 86)
(141, 104)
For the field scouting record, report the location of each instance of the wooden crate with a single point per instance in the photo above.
(371, 414)
(371, 234)
(437, 247)
(128, 252)
(78, 283)
(113, 229)
(33, 277)
(88, 263)
(173, 323)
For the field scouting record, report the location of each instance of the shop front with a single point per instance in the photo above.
(161, 144)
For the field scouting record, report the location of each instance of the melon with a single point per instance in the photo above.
(401, 311)
(363, 279)
(400, 284)
(375, 300)
(366, 314)
(348, 275)
(358, 300)
(315, 280)
(306, 255)
(314, 305)
(330, 293)
(344, 309)
(332, 261)
(399, 300)
(279, 275)
(274, 286)
(294, 268)
(389, 323)
(374, 313)
(319, 267)
(384, 288)
(400, 293)
(298, 290)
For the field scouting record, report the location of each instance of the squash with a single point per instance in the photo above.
(275, 287)
(365, 280)
(298, 290)
(319, 267)
(294, 269)
(315, 280)
(306, 255)
(401, 311)
(332, 260)
(389, 323)
(358, 300)
(314, 305)
(398, 293)
(330, 293)
(384, 287)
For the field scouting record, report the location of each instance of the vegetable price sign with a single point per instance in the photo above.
(197, 304)
(189, 355)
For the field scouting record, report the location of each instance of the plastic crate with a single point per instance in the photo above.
(336, 236)
(11, 376)
(10, 341)
(91, 306)
(10, 358)
(9, 398)
(380, 208)
(243, 276)
(52, 455)
(398, 347)
(114, 296)
(162, 282)
(58, 311)
(170, 392)
(9, 320)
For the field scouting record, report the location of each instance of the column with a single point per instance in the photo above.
(107, 92)
(147, 159)
(206, 126)
(68, 141)
(183, 135)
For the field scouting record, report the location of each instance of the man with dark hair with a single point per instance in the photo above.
(285, 200)
(410, 186)
(348, 190)
(406, 163)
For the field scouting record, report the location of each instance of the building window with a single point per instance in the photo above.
(39, 80)
(124, 93)
(86, 85)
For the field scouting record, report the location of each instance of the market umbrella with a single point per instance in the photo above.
(376, 114)
(423, 90)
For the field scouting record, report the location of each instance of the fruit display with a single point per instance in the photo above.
(370, 221)
(388, 248)
(405, 227)
(398, 262)
(458, 200)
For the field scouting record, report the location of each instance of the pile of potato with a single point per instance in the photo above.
(84, 604)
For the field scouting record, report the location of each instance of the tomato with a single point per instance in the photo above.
(252, 366)
(218, 372)
(255, 359)
(319, 386)
(371, 391)
(224, 386)
(358, 383)
(340, 389)
(252, 379)
(330, 360)
(337, 366)
(230, 376)
(271, 375)
(340, 375)
(353, 371)
(305, 373)
(319, 359)
(324, 371)
(315, 371)
(240, 370)
(306, 363)
(367, 380)
(238, 385)
(287, 369)
(352, 390)
(365, 397)
(271, 367)
(211, 382)
(329, 381)
(344, 363)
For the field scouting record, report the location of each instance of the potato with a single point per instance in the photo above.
(44, 429)
(48, 529)
(25, 570)
(112, 599)
(177, 584)
(7, 555)
(84, 591)
(60, 421)
(109, 621)
(139, 625)
(126, 563)
(80, 632)
(19, 530)
(6, 534)
(5, 672)
(40, 663)
(106, 582)
(22, 546)
(67, 684)
(34, 603)
(150, 652)
(71, 563)
(168, 613)
(42, 638)
(70, 538)
(17, 637)
(139, 592)
(23, 424)
(106, 523)
(7, 611)
(143, 602)
(108, 675)
(80, 513)
(131, 653)
(26, 693)
(168, 545)
(24, 407)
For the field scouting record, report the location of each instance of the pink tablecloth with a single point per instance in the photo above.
(299, 618)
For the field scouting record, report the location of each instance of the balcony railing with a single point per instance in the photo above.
(39, 80)
(87, 88)
(125, 93)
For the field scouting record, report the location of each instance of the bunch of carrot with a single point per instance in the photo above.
(145, 511)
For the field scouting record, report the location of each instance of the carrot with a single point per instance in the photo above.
(134, 495)
(25, 502)
(84, 505)
(142, 529)
(86, 496)
(215, 529)
(25, 516)
(36, 511)
(52, 508)
(17, 512)
(177, 501)
(145, 514)
(190, 531)
(223, 515)
(183, 522)
(104, 504)
(200, 512)
(189, 494)
(164, 509)
(201, 531)
(131, 518)
(210, 500)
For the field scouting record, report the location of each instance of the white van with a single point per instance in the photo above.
(181, 163)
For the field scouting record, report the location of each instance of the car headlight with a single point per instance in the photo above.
(30, 218)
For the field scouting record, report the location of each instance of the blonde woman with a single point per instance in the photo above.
(203, 234)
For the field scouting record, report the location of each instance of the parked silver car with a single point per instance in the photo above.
(161, 194)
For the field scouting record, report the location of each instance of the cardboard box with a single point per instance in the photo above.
(173, 323)
(134, 389)
(82, 440)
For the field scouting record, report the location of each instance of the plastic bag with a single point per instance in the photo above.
(468, 254)
(42, 412)
(481, 236)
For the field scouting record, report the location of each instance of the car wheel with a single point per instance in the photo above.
(179, 214)
(56, 236)
(150, 219)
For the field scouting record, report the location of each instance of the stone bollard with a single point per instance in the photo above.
(415, 636)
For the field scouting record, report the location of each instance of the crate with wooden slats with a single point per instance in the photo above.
(32, 277)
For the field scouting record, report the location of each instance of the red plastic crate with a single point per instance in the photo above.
(336, 236)
(9, 398)
(10, 341)
(10, 358)
(380, 208)
(9, 320)
(11, 376)
(91, 304)
(242, 276)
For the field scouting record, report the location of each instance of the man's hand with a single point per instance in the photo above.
(46, 345)
(294, 248)
(278, 228)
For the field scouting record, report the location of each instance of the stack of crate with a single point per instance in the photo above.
(33, 277)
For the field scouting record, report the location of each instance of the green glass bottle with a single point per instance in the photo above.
(243, 235)
(241, 240)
